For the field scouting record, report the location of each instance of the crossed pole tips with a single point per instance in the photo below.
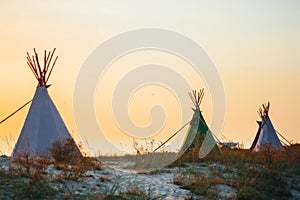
(41, 74)
(197, 97)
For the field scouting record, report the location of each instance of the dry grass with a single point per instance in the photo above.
(65, 151)
(29, 175)
(30, 167)
(261, 175)
(255, 175)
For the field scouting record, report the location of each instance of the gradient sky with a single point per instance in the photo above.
(255, 46)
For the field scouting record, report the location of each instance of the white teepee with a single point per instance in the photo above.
(266, 137)
(43, 124)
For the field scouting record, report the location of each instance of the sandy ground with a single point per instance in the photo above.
(116, 177)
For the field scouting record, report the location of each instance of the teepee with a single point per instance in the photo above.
(43, 124)
(199, 138)
(266, 137)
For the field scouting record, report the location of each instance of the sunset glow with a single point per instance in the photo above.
(255, 47)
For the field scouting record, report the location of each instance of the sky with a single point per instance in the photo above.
(255, 46)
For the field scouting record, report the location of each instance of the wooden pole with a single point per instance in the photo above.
(283, 137)
(39, 67)
(192, 98)
(171, 136)
(37, 78)
(45, 61)
(51, 69)
(50, 58)
(15, 112)
(35, 65)
(31, 63)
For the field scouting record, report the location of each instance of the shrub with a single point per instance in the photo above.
(65, 151)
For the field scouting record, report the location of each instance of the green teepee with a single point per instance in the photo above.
(199, 139)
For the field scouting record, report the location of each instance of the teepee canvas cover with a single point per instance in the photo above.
(198, 135)
(266, 137)
(43, 124)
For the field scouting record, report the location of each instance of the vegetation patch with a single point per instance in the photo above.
(254, 175)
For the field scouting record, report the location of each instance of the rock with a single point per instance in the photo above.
(224, 191)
